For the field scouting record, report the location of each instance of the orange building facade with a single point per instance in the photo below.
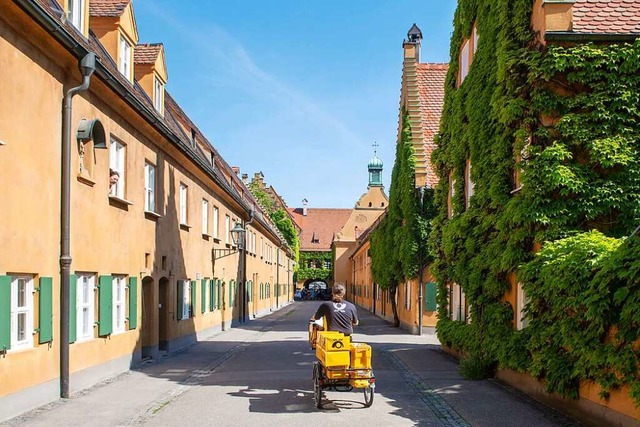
(153, 265)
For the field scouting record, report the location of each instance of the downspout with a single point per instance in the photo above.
(87, 67)
(245, 305)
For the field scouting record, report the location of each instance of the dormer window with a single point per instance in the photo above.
(158, 95)
(125, 57)
(76, 14)
(193, 137)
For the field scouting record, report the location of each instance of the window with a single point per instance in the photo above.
(21, 312)
(215, 222)
(149, 187)
(407, 295)
(116, 163)
(475, 37)
(458, 303)
(227, 229)
(205, 216)
(85, 297)
(119, 288)
(158, 95)
(327, 265)
(186, 299)
(521, 300)
(76, 14)
(261, 247)
(124, 57)
(464, 60)
(183, 204)
(452, 194)
(470, 186)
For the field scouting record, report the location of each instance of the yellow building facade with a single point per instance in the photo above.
(153, 265)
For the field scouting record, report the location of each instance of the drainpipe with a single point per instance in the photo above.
(87, 67)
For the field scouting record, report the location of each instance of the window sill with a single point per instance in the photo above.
(185, 227)
(119, 201)
(216, 239)
(85, 179)
(152, 215)
(206, 236)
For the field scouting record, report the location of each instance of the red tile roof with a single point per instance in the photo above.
(320, 224)
(146, 53)
(606, 16)
(431, 78)
(112, 8)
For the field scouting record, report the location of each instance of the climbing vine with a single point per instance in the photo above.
(397, 244)
(313, 266)
(553, 137)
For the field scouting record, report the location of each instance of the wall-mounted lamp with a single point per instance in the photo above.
(237, 235)
(91, 130)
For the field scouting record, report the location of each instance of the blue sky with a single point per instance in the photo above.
(299, 90)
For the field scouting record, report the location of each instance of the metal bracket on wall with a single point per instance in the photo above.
(221, 253)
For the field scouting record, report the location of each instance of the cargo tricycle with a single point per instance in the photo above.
(341, 364)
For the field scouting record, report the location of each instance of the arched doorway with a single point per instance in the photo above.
(163, 313)
(317, 289)
(149, 319)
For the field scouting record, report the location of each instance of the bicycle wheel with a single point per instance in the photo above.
(317, 387)
(368, 396)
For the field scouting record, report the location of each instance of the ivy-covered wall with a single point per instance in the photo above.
(313, 266)
(553, 137)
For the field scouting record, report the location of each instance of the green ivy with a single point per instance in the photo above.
(315, 258)
(567, 119)
(397, 244)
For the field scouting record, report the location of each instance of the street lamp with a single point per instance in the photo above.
(237, 236)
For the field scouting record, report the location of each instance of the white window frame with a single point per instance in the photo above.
(205, 216)
(464, 60)
(216, 216)
(23, 309)
(521, 300)
(475, 37)
(119, 286)
(158, 95)
(186, 299)
(117, 159)
(183, 199)
(125, 51)
(85, 306)
(469, 183)
(149, 187)
(227, 229)
(76, 14)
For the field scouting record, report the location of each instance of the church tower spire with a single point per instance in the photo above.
(375, 169)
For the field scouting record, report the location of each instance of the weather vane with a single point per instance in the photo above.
(375, 147)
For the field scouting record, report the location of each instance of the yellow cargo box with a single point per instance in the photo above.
(360, 355)
(333, 341)
(333, 358)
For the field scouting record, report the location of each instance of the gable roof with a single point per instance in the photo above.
(430, 82)
(112, 8)
(146, 53)
(606, 17)
(319, 225)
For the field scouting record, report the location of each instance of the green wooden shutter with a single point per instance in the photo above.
(133, 303)
(430, 293)
(73, 307)
(45, 310)
(105, 322)
(220, 294)
(180, 298)
(193, 299)
(5, 313)
(203, 296)
(230, 293)
(249, 283)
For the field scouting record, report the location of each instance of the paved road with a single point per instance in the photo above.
(260, 375)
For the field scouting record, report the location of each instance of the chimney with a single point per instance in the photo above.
(235, 169)
(412, 44)
(304, 207)
(245, 178)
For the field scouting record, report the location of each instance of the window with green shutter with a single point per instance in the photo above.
(203, 296)
(249, 293)
(45, 310)
(5, 313)
(192, 303)
(180, 300)
(133, 303)
(212, 294)
(105, 297)
(231, 293)
(430, 295)
(220, 294)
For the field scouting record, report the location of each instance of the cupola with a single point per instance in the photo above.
(375, 170)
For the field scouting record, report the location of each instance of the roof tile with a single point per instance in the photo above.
(320, 226)
(606, 16)
(146, 53)
(112, 8)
